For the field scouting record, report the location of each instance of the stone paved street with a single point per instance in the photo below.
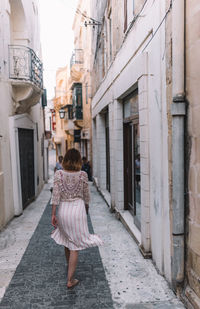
(40, 279)
(113, 276)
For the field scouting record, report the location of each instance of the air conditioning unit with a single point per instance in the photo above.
(85, 134)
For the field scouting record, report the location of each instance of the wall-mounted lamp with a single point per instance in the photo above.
(62, 113)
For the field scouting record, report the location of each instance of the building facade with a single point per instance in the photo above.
(80, 80)
(73, 92)
(145, 115)
(130, 124)
(21, 118)
(192, 22)
(63, 139)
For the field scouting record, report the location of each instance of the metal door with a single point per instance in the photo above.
(26, 154)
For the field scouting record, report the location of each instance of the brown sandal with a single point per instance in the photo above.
(74, 282)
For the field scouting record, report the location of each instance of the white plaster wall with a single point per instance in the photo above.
(144, 159)
(118, 163)
(112, 153)
(30, 37)
(94, 147)
(130, 11)
(36, 114)
(101, 150)
(158, 130)
(5, 111)
(128, 67)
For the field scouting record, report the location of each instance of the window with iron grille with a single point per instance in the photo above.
(77, 101)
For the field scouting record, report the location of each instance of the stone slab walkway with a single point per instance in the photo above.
(113, 276)
(40, 278)
(133, 280)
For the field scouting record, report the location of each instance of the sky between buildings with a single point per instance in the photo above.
(56, 18)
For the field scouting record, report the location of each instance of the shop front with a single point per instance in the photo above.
(131, 134)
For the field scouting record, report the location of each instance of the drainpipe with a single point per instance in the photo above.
(178, 111)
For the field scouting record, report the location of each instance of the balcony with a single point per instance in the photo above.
(26, 76)
(73, 112)
(76, 65)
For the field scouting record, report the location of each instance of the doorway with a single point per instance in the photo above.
(107, 139)
(26, 156)
(131, 134)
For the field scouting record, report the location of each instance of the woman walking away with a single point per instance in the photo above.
(71, 193)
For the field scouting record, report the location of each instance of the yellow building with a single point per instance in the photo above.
(64, 137)
(73, 93)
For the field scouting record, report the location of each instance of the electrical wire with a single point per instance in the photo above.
(134, 20)
(169, 9)
(78, 11)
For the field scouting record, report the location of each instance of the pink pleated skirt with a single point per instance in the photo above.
(72, 230)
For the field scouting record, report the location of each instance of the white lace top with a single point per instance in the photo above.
(68, 186)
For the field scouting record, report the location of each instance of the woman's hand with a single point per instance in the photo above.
(54, 221)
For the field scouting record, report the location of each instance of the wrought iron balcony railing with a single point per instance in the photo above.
(77, 57)
(25, 65)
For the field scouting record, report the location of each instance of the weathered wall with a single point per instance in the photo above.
(139, 56)
(19, 28)
(193, 94)
(168, 57)
(6, 110)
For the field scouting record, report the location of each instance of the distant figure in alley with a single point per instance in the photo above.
(86, 167)
(71, 195)
(59, 164)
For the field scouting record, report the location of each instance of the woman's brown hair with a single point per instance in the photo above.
(72, 160)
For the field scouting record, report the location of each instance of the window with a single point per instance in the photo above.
(77, 101)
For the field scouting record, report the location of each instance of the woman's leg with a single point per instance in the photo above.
(67, 252)
(73, 259)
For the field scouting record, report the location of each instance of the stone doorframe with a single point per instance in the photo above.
(145, 163)
(20, 121)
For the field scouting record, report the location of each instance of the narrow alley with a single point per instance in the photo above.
(105, 93)
(114, 276)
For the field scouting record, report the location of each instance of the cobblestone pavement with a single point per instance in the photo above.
(40, 278)
(113, 276)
